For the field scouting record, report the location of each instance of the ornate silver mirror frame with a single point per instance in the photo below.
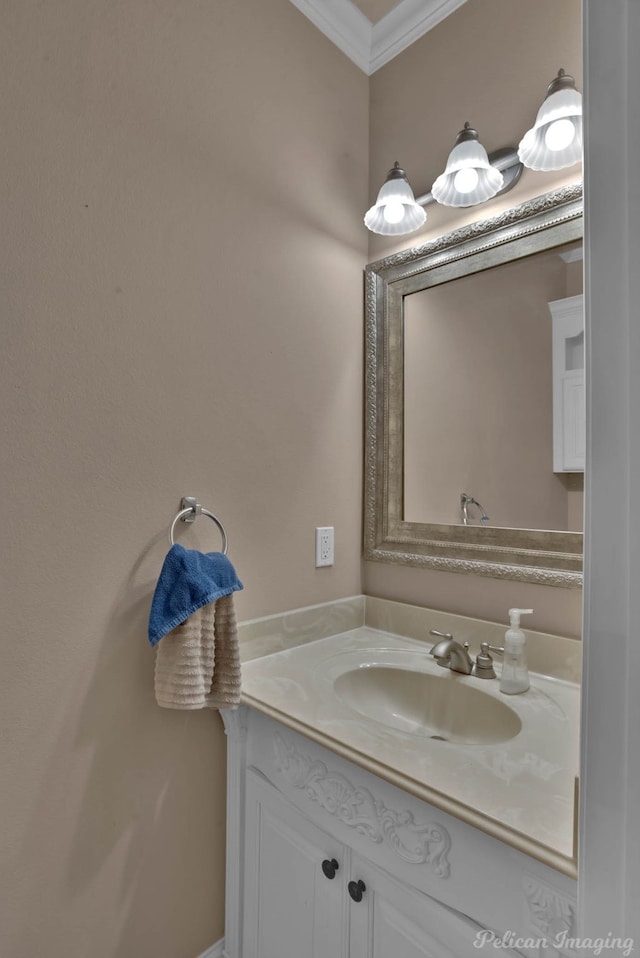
(544, 557)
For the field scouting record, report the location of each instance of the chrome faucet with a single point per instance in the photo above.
(465, 502)
(449, 654)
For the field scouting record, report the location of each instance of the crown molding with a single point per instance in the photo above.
(370, 45)
(344, 24)
(405, 24)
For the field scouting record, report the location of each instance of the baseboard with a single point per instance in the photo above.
(215, 951)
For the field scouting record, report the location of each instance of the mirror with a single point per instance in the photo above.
(479, 352)
(461, 472)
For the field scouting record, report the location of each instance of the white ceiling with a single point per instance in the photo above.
(372, 32)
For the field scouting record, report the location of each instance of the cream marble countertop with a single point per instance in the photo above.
(521, 791)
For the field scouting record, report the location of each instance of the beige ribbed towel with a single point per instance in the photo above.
(198, 662)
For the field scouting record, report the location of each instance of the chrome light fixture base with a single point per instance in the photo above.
(506, 160)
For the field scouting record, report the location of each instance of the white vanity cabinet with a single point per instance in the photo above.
(305, 894)
(326, 859)
(569, 429)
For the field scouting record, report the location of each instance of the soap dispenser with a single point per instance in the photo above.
(515, 675)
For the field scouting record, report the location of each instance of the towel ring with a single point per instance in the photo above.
(198, 510)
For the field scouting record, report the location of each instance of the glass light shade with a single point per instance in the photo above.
(395, 211)
(555, 139)
(468, 178)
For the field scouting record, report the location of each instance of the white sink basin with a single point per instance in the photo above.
(439, 707)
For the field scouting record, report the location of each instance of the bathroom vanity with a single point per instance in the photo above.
(362, 825)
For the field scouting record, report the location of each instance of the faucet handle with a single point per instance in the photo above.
(483, 667)
(492, 648)
(441, 635)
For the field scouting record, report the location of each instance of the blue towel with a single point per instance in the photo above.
(188, 581)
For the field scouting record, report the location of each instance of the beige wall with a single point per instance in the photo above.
(183, 250)
(489, 63)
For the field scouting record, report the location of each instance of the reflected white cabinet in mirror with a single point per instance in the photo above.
(569, 427)
(483, 291)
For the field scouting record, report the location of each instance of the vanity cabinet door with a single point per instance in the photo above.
(393, 920)
(292, 907)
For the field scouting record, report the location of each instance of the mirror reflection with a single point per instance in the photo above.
(493, 393)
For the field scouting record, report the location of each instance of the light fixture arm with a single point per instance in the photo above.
(506, 160)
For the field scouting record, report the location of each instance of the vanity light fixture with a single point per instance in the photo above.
(469, 178)
(395, 211)
(555, 139)
(472, 177)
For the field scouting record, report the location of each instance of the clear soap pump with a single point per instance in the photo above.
(515, 675)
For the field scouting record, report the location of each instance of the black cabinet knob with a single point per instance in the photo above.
(330, 868)
(356, 888)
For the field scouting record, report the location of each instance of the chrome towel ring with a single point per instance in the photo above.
(190, 511)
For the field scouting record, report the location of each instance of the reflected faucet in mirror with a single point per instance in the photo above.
(465, 502)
